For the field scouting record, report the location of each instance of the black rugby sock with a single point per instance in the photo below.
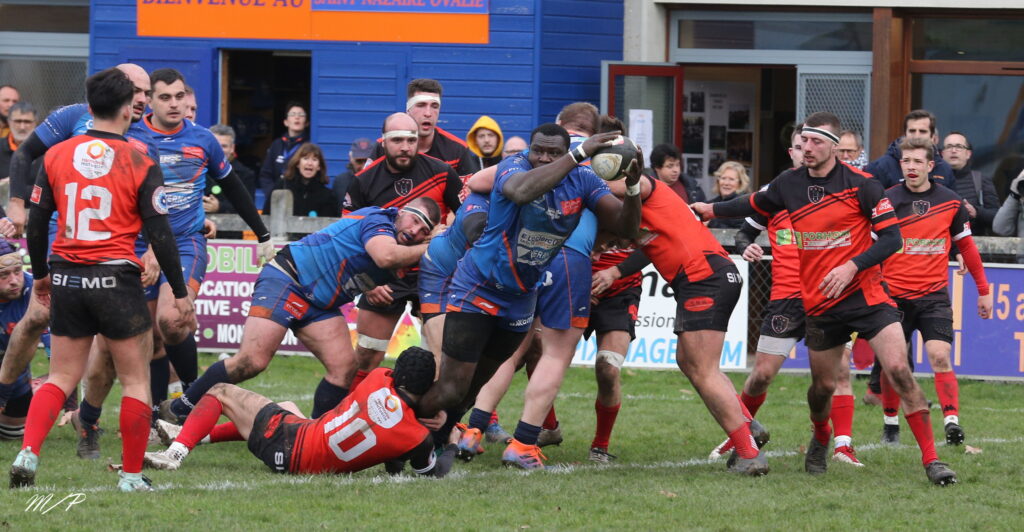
(185, 361)
(327, 397)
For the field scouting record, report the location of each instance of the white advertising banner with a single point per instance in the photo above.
(655, 343)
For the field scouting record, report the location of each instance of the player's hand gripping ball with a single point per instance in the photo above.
(613, 162)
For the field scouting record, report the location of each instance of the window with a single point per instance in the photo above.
(831, 32)
(968, 39)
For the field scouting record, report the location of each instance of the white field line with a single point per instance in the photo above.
(264, 481)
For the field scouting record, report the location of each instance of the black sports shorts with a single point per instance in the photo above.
(834, 327)
(273, 436)
(98, 299)
(706, 305)
(615, 313)
(931, 314)
(468, 337)
(403, 290)
(784, 318)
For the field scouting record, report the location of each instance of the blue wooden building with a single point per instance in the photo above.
(538, 56)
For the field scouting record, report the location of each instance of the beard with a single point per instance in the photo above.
(393, 162)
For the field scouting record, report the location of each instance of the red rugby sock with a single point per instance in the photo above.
(842, 414)
(360, 375)
(921, 423)
(200, 422)
(551, 421)
(743, 441)
(948, 391)
(42, 414)
(135, 419)
(605, 423)
(225, 432)
(753, 402)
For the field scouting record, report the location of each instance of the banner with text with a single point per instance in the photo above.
(982, 348)
(655, 344)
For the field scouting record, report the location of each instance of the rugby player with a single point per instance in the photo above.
(537, 201)
(932, 218)
(303, 288)
(375, 424)
(15, 294)
(834, 210)
(107, 193)
(393, 180)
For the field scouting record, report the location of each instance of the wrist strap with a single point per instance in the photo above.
(577, 154)
(633, 190)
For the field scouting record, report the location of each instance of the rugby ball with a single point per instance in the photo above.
(612, 162)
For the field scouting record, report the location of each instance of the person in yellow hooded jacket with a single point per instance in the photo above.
(485, 140)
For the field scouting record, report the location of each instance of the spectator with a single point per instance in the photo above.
(190, 105)
(358, 153)
(213, 198)
(1009, 220)
(283, 147)
(851, 149)
(485, 140)
(796, 147)
(977, 190)
(731, 180)
(306, 177)
(665, 162)
(513, 146)
(917, 123)
(8, 97)
(22, 120)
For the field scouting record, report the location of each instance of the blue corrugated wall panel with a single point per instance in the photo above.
(355, 85)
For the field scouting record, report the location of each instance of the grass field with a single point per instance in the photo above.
(662, 480)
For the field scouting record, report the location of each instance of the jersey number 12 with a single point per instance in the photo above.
(78, 221)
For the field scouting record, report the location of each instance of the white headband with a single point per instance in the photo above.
(430, 98)
(807, 130)
(421, 215)
(403, 133)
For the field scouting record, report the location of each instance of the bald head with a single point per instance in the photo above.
(399, 122)
(140, 79)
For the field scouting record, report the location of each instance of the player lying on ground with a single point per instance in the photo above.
(374, 424)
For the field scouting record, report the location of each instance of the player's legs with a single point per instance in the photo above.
(841, 413)
(824, 365)
(557, 349)
(766, 367)
(946, 389)
(697, 356)
(608, 367)
(131, 361)
(328, 340)
(98, 380)
(374, 331)
(433, 330)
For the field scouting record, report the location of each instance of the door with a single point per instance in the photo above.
(657, 88)
(196, 64)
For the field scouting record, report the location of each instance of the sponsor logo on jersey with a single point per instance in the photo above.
(170, 159)
(485, 306)
(93, 159)
(698, 304)
(160, 200)
(571, 206)
(921, 207)
(884, 206)
(646, 237)
(384, 408)
(817, 240)
(192, 152)
(535, 248)
(403, 186)
(924, 246)
(815, 193)
(36, 194)
(784, 237)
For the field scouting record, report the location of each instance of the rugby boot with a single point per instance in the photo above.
(720, 451)
(752, 467)
(88, 447)
(940, 474)
(23, 470)
(760, 433)
(891, 434)
(469, 442)
(954, 434)
(169, 459)
(129, 482)
(816, 459)
(550, 436)
(167, 432)
(523, 456)
(846, 455)
(601, 456)
(495, 434)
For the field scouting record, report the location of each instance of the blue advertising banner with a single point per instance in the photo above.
(991, 348)
(465, 7)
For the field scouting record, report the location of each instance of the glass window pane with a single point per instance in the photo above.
(775, 35)
(44, 18)
(647, 92)
(968, 39)
(989, 110)
(45, 84)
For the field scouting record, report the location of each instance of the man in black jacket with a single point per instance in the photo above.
(213, 197)
(975, 188)
(358, 153)
(296, 121)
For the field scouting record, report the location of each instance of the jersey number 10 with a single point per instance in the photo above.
(350, 426)
(78, 222)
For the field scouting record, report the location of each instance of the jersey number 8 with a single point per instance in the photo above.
(78, 223)
(350, 426)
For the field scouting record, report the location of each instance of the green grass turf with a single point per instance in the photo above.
(662, 480)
